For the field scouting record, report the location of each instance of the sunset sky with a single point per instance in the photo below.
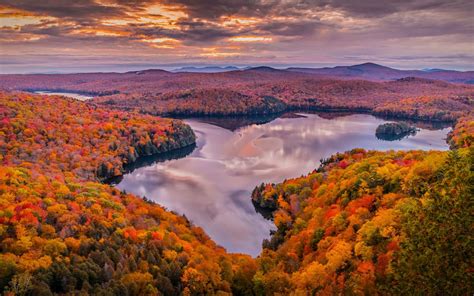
(122, 35)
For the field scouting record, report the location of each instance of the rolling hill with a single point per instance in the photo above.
(371, 71)
(262, 90)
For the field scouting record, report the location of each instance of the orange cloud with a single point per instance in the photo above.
(250, 39)
(14, 18)
(99, 32)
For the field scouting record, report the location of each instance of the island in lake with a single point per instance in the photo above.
(391, 131)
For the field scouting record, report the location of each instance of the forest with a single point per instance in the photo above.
(364, 222)
(257, 91)
(237, 147)
(367, 223)
(61, 230)
(55, 134)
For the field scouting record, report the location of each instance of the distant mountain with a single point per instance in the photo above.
(265, 69)
(434, 70)
(148, 71)
(265, 90)
(209, 69)
(371, 71)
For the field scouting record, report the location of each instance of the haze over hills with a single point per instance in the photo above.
(371, 71)
(366, 71)
(206, 69)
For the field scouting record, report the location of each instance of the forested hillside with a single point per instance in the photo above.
(370, 223)
(56, 134)
(371, 71)
(260, 90)
(61, 231)
(365, 222)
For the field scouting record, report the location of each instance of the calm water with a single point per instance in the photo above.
(212, 185)
(65, 94)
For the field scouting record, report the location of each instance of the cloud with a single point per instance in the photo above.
(213, 9)
(252, 31)
(292, 28)
(78, 9)
(377, 8)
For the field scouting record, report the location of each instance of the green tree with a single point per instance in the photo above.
(438, 254)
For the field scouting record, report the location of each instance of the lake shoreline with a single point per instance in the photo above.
(384, 114)
(211, 184)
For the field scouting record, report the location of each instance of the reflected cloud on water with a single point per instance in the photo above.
(212, 185)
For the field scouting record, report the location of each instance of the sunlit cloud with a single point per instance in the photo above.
(14, 18)
(18, 21)
(248, 32)
(169, 12)
(250, 39)
(24, 38)
(160, 40)
(98, 32)
(236, 21)
(165, 43)
(218, 52)
(115, 22)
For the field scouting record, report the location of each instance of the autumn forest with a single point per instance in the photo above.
(244, 148)
(363, 222)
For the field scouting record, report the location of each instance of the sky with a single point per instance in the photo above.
(60, 36)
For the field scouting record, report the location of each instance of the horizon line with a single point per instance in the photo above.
(175, 67)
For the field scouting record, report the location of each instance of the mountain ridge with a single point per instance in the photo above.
(373, 71)
(365, 71)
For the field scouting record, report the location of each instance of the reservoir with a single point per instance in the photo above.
(212, 184)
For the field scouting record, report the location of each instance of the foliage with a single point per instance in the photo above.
(364, 207)
(55, 134)
(437, 256)
(257, 91)
(463, 133)
(365, 222)
(66, 236)
(62, 232)
(427, 108)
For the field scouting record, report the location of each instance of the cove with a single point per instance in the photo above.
(73, 95)
(212, 183)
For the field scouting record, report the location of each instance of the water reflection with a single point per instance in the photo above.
(76, 96)
(233, 123)
(212, 185)
(152, 159)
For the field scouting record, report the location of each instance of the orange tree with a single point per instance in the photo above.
(63, 232)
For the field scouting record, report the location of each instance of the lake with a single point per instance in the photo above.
(212, 184)
(65, 94)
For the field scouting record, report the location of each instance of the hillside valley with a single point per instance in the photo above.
(247, 148)
(256, 91)
(344, 227)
